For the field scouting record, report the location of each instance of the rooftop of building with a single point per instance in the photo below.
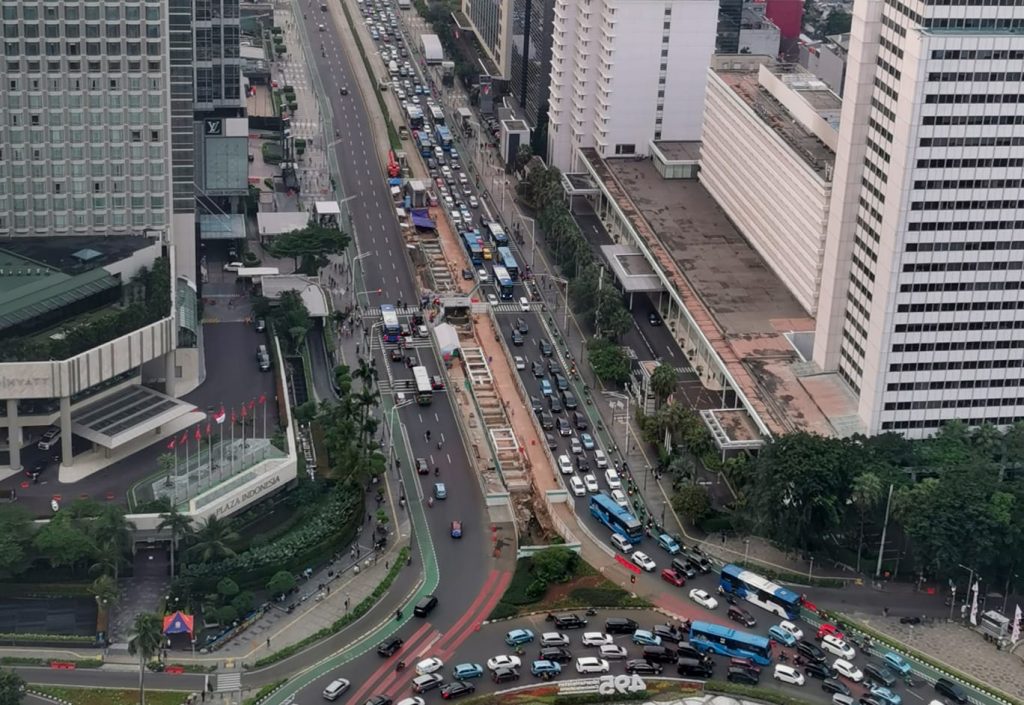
(741, 306)
(680, 151)
(742, 73)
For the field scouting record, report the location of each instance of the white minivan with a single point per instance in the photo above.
(600, 459)
(621, 542)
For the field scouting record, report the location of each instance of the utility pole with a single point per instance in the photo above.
(885, 526)
(597, 313)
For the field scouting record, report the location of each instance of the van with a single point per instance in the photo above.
(261, 351)
(685, 649)
(49, 439)
(694, 667)
(621, 542)
(425, 606)
(600, 459)
(658, 654)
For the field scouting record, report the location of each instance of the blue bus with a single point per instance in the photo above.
(391, 328)
(760, 591)
(476, 253)
(609, 513)
(730, 642)
(508, 261)
(497, 234)
(503, 283)
(423, 140)
(444, 137)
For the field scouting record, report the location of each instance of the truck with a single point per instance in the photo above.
(465, 118)
(432, 51)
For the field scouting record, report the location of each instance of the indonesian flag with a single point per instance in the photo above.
(252, 404)
(170, 444)
(207, 430)
(974, 604)
(233, 417)
(220, 416)
(1017, 618)
(184, 438)
(199, 433)
(244, 412)
(263, 398)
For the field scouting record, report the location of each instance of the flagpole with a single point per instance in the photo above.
(188, 488)
(264, 402)
(232, 440)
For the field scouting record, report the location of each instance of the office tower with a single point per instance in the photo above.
(624, 74)
(921, 310)
(218, 77)
(492, 23)
(730, 14)
(532, 26)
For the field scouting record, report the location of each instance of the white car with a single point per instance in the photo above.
(414, 700)
(429, 665)
(644, 561)
(613, 652)
(520, 362)
(591, 483)
(473, 203)
(575, 446)
(601, 459)
(481, 274)
(503, 661)
(577, 487)
(232, 266)
(565, 465)
(492, 299)
(837, 647)
(620, 499)
(848, 670)
(703, 599)
(524, 304)
(591, 664)
(612, 478)
(596, 639)
(791, 628)
(788, 674)
(554, 639)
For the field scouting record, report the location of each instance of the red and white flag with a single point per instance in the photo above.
(184, 438)
(220, 416)
(1017, 619)
(170, 444)
(263, 398)
(199, 433)
(974, 604)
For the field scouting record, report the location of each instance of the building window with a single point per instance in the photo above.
(621, 149)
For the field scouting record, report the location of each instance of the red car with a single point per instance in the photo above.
(832, 629)
(670, 576)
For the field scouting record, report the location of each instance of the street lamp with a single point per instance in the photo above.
(625, 400)
(565, 301)
(533, 236)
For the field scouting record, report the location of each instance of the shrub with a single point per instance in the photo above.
(603, 597)
(717, 523)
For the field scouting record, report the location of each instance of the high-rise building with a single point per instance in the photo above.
(530, 66)
(492, 24)
(921, 303)
(624, 74)
(218, 76)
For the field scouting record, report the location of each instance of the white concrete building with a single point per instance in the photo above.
(921, 304)
(770, 134)
(624, 74)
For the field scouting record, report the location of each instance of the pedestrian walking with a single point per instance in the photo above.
(268, 642)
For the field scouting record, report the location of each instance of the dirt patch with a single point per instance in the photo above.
(559, 594)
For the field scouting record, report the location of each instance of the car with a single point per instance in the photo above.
(738, 614)
(536, 404)
(742, 675)
(436, 382)
(431, 664)
(49, 438)
(503, 675)
(896, 662)
(879, 674)
(596, 638)
(564, 429)
(551, 441)
(612, 652)
(429, 681)
(620, 625)
(412, 700)
(524, 303)
(335, 688)
(545, 348)
(575, 446)
(810, 651)
(457, 690)
(232, 266)
(522, 326)
(517, 338)
(787, 674)
(847, 670)
(703, 599)
(780, 635)
(588, 441)
(577, 487)
(833, 685)
(569, 620)
(467, 274)
(516, 637)
(619, 497)
(388, 647)
(640, 667)
(554, 639)
(668, 543)
(951, 690)
(261, 325)
(816, 669)
(646, 638)
(564, 464)
(456, 529)
(558, 654)
(653, 318)
(886, 695)
(473, 203)
(378, 700)
(601, 459)
(520, 362)
(611, 476)
(537, 369)
(542, 668)
(503, 661)
(421, 467)
(791, 628)
(591, 664)
(561, 382)
(837, 647)
(644, 561)
(581, 464)
(440, 491)
(465, 671)
(545, 387)
(828, 628)
(672, 577)
(492, 299)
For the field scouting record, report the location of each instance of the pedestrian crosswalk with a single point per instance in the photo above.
(227, 682)
(507, 308)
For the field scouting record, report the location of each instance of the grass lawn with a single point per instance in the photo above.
(107, 696)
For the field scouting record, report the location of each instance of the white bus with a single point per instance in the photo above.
(424, 391)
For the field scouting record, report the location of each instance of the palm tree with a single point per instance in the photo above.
(180, 526)
(213, 539)
(108, 560)
(104, 590)
(664, 382)
(145, 641)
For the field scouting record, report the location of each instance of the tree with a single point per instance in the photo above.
(865, 495)
(15, 540)
(523, 156)
(611, 317)
(693, 502)
(213, 540)
(281, 583)
(227, 587)
(112, 536)
(291, 317)
(12, 688)
(313, 241)
(608, 360)
(180, 527)
(555, 564)
(664, 382)
(838, 22)
(145, 641)
(63, 542)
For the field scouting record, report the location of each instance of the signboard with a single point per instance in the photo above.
(213, 127)
(248, 494)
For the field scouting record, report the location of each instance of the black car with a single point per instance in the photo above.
(742, 675)
(545, 348)
(456, 690)
(685, 649)
(659, 654)
(551, 441)
(823, 671)
(378, 700)
(467, 274)
(877, 673)
(951, 690)
(684, 567)
(569, 399)
(561, 382)
(563, 427)
(738, 614)
(834, 685)
(641, 667)
(547, 421)
(517, 337)
(869, 699)
(620, 625)
(37, 468)
(556, 406)
(810, 652)
(388, 647)
(536, 404)
(522, 326)
(569, 621)
(538, 369)
(654, 319)
(502, 675)
(668, 633)
(558, 654)
(582, 465)
(553, 366)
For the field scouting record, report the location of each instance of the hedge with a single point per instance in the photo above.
(46, 590)
(352, 615)
(64, 638)
(264, 692)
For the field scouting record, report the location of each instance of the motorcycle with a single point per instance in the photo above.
(400, 666)
(550, 617)
(590, 612)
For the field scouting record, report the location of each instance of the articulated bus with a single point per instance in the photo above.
(391, 328)
(508, 261)
(609, 513)
(730, 642)
(760, 591)
(424, 392)
(503, 283)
